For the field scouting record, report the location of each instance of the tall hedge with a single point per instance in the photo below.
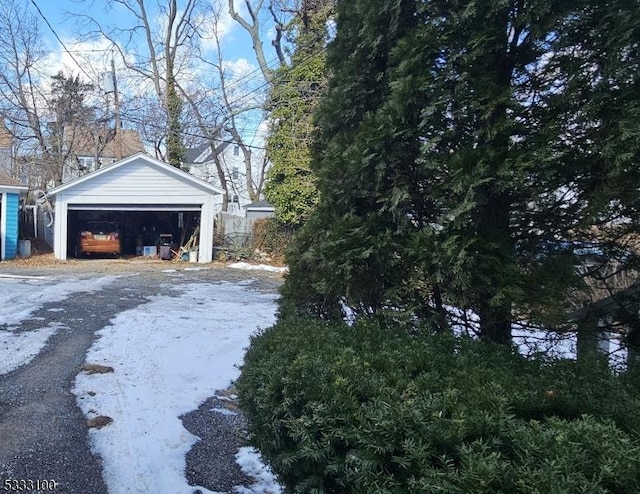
(370, 408)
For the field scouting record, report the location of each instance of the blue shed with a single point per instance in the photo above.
(10, 192)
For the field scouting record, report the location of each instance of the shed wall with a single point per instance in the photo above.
(10, 205)
(256, 214)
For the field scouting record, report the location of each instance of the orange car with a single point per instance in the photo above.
(98, 237)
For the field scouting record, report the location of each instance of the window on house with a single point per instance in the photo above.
(236, 150)
(85, 164)
(234, 173)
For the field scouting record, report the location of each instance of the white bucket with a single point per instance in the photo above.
(193, 256)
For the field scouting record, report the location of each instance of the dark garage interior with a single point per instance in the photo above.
(137, 228)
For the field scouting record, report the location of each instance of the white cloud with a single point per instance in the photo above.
(220, 23)
(238, 69)
(88, 59)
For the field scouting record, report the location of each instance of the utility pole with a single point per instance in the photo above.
(116, 98)
(115, 95)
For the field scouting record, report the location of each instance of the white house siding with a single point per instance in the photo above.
(204, 168)
(141, 181)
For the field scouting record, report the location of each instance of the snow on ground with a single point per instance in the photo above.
(20, 296)
(251, 464)
(258, 267)
(531, 341)
(18, 349)
(168, 355)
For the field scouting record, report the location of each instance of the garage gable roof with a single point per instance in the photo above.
(164, 167)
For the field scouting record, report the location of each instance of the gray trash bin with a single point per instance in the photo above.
(166, 240)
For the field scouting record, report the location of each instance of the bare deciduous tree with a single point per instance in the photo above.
(35, 119)
(216, 111)
(157, 49)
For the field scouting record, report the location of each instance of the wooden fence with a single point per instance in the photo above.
(233, 235)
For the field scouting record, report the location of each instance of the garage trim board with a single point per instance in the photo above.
(133, 207)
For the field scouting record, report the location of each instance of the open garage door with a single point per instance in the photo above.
(137, 226)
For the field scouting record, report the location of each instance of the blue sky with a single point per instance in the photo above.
(236, 45)
(92, 58)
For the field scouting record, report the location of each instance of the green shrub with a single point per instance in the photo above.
(272, 237)
(369, 409)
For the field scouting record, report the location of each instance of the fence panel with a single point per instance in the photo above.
(45, 226)
(234, 234)
(28, 222)
(230, 224)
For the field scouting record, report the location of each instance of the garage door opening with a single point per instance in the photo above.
(136, 229)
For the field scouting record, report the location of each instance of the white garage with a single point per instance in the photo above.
(145, 198)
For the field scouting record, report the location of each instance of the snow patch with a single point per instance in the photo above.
(22, 296)
(222, 411)
(169, 355)
(251, 464)
(258, 267)
(20, 348)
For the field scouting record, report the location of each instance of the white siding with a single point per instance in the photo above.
(236, 184)
(138, 182)
(60, 230)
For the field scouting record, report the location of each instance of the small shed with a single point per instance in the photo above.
(259, 209)
(146, 198)
(10, 192)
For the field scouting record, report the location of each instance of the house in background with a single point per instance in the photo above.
(6, 151)
(200, 163)
(10, 192)
(92, 148)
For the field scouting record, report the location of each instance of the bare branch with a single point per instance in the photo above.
(277, 42)
(253, 28)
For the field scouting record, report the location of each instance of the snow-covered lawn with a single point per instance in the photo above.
(168, 355)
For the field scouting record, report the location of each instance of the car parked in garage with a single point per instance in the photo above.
(98, 237)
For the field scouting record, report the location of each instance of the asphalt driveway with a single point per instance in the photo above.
(44, 435)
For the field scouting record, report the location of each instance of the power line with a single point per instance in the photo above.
(184, 133)
(247, 77)
(60, 40)
(278, 78)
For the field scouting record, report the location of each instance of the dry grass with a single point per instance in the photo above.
(41, 255)
(43, 262)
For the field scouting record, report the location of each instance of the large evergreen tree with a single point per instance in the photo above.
(72, 116)
(348, 250)
(463, 148)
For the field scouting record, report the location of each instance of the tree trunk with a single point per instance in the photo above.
(495, 244)
(223, 179)
(495, 256)
(495, 324)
